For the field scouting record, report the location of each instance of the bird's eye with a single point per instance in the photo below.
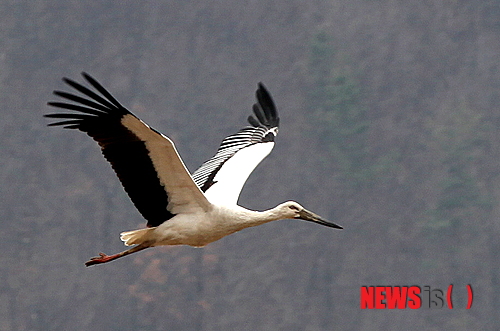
(293, 207)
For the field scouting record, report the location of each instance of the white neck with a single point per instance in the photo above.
(245, 218)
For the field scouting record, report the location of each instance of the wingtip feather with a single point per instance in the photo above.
(265, 109)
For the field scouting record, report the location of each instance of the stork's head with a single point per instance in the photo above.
(292, 209)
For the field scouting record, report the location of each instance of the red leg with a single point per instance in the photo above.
(103, 258)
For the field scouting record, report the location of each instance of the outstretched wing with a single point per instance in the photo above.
(146, 161)
(222, 177)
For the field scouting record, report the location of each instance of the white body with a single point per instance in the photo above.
(156, 179)
(201, 228)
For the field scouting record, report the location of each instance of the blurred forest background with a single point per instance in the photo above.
(389, 126)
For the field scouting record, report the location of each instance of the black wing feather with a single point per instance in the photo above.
(70, 106)
(101, 119)
(91, 94)
(253, 121)
(267, 104)
(263, 129)
(102, 90)
(259, 112)
(91, 104)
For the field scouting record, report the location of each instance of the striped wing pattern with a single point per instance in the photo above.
(104, 119)
(264, 127)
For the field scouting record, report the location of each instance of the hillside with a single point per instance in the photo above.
(389, 127)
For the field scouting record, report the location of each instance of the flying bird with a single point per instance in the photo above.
(180, 209)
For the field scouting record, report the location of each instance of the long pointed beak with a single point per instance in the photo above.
(306, 215)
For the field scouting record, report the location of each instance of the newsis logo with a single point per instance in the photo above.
(413, 297)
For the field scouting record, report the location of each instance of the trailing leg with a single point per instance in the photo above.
(103, 258)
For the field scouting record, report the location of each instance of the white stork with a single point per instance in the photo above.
(180, 209)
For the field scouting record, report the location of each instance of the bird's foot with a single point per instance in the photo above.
(102, 258)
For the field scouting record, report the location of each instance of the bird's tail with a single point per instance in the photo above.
(136, 237)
